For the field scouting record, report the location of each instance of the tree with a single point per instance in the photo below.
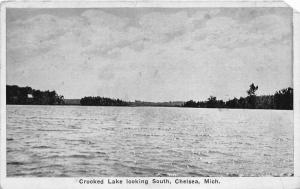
(233, 103)
(212, 102)
(190, 103)
(284, 99)
(252, 90)
(251, 98)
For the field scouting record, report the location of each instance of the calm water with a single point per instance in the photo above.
(147, 141)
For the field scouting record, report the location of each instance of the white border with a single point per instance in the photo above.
(243, 182)
(2, 95)
(296, 74)
(294, 3)
(145, 3)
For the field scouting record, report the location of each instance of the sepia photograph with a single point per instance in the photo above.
(149, 92)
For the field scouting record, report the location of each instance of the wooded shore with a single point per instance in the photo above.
(282, 99)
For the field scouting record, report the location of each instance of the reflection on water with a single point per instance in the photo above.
(147, 141)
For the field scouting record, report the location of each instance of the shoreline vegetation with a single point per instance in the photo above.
(282, 100)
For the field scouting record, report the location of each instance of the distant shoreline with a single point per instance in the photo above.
(143, 106)
(281, 100)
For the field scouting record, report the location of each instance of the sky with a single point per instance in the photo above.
(151, 54)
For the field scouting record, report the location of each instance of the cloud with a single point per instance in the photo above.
(97, 19)
(152, 55)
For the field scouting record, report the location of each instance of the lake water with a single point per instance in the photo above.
(71, 141)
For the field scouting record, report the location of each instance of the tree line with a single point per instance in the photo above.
(27, 95)
(102, 101)
(282, 99)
